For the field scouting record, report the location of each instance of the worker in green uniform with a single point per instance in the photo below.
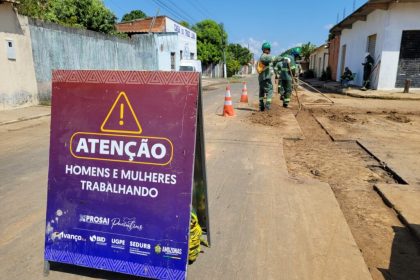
(277, 64)
(286, 79)
(287, 65)
(296, 67)
(264, 77)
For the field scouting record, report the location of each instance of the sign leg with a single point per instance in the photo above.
(46, 268)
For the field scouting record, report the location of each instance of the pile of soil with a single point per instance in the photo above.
(268, 118)
(393, 116)
(342, 118)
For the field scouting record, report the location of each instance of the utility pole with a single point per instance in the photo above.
(224, 64)
(344, 13)
(338, 17)
(354, 5)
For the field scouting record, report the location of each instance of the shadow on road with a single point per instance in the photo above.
(92, 273)
(247, 109)
(405, 258)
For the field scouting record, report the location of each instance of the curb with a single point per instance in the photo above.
(357, 95)
(25, 119)
(399, 213)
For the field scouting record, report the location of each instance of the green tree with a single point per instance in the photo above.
(134, 14)
(211, 41)
(89, 14)
(33, 8)
(239, 53)
(232, 64)
(307, 49)
(185, 24)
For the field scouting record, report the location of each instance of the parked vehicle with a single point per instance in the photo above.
(190, 65)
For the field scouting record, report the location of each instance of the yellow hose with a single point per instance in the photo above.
(195, 238)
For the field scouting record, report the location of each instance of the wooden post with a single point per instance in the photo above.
(407, 86)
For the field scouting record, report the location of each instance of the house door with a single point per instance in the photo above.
(409, 63)
(371, 45)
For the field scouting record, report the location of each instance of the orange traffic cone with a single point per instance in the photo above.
(244, 96)
(228, 108)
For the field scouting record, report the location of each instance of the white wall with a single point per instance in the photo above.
(167, 43)
(17, 77)
(187, 38)
(355, 40)
(314, 62)
(402, 16)
(388, 25)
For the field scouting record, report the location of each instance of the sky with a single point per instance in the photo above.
(284, 24)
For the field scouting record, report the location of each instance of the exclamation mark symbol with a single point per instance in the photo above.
(121, 114)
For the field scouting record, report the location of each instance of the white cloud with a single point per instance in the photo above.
(254, 46)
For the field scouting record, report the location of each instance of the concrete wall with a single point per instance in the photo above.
(17, 76)
(333, 55)
(58, 47)
(402, 16)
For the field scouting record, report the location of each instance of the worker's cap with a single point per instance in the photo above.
(266, 46)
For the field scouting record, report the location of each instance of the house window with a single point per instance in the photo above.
(191, 55)
(371, 45)
(11, 53)
(172, 61)
(180, 54)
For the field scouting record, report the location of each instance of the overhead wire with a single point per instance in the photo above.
(179, 15)
(193, 20)
(198, 8)
(163, 6)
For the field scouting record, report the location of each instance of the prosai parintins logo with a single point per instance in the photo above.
(119, 139)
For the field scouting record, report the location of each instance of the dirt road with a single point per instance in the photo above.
(298, 205)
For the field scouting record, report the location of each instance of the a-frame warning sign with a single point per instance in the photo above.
(121, 117)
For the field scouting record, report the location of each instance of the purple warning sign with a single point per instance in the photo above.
(121, 171)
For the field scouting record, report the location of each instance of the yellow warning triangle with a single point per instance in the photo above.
(121, 117)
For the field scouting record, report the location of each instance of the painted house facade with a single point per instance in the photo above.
(17, 74)
(185, 46)
(390, 31)
(318, 60)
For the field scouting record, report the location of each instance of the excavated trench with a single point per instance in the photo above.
(389, 249)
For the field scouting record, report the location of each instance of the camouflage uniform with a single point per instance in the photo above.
(266, 85)
(278, 62)
(287, 72)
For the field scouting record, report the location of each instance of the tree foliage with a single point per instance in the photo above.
(236, 57)
(232, 64)
(134, 14)
(239, 53)
(211, 41)
(307, 49)
(185, 23)
(89, 14)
